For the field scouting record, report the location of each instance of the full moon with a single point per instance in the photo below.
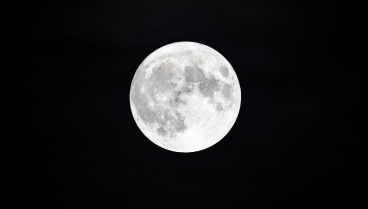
(185, 97)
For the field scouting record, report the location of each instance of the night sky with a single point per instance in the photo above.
(76, 144)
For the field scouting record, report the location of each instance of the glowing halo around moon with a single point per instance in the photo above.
(185, 97)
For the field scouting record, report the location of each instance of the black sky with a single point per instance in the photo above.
(76, 144)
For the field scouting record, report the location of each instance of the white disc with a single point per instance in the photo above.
(185, 97)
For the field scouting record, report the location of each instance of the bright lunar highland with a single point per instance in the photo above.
(185, 97)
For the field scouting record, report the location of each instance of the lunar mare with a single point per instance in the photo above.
(185, 97)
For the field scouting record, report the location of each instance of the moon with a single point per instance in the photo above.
(185, 97)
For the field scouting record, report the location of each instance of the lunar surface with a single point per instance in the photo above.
(185, 97)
